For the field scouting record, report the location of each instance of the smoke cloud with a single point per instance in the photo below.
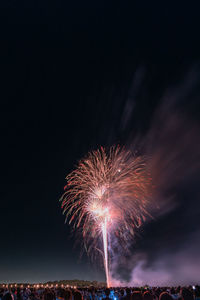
(166, 250)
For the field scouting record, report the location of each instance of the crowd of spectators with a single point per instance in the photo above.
(143, 293)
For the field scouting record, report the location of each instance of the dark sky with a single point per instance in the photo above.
(76, 75)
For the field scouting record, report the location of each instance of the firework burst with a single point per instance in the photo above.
(108, 192)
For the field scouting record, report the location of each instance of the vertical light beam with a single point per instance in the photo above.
(105, 247)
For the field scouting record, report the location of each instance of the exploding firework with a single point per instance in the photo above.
(108, 193)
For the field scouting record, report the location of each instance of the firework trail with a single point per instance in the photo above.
(107, 194)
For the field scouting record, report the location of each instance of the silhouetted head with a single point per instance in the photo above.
(186, 294)
(197, 291)
(147, 296)
(136, 295)
(61, 293)
(48, 296)
(107, 292)
(172, 291)
(7, 296)
(77, 295)
(68, 295)
(165, 296)
(128, 291)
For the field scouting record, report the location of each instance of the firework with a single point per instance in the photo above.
(107, 193)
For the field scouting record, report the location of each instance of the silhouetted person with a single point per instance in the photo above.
(136, 295)
(7, 296)
(68, 295)
(19, 296)
(49, 296)
(128, 294)
(186, 294)
(147, 296)
(61, 293)
(121, 297)
(107, 293)
(77, 295)
(197, 292)
(165, 296)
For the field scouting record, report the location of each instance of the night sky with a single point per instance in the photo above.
(77, 75)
